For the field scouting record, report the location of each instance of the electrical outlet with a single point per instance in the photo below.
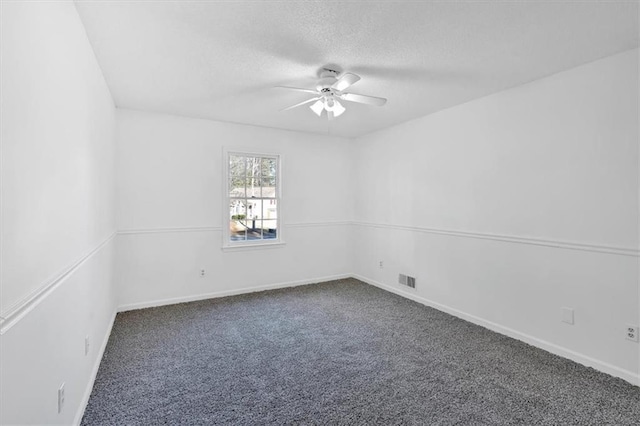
(631, 332)
(567, 315)
(60, 398)
(86, 345)
(381, 264)
(202, 272)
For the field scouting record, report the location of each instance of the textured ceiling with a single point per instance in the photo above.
(220, 60)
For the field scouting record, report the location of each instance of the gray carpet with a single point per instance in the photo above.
(338, 353)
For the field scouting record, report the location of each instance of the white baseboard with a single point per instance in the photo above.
(604, 367)
(225, 293)
(94, 373)
(141, 305)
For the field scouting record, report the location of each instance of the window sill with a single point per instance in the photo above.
(252, 246)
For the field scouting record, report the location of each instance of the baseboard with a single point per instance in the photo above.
(225, 293)
(94, 373)
(604, 367)
(133, 306)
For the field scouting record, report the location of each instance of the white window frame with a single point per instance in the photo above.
(227, 244)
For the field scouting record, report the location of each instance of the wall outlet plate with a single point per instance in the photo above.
(60, 398)
(567, 315)
(631, 332)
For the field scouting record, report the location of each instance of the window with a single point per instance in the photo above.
(253, 199)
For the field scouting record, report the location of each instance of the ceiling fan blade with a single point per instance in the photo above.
(298, 89)
(345, 80)
(363, 99)
(300, 104)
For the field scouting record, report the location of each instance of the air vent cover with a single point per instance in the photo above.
(407, 280)
(411, 282)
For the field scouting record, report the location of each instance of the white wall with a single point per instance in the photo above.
(58, 216)
(510, 207)
(505, 209)
(169, 173)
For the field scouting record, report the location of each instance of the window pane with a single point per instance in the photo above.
(253, 182)
(237, 181)
(268, 182)
(268, 192)
(253, 191)
(269, 167)
(238, 228)
(270, 209)
(253, 168)
(237, 207)
(269, 229)
(254, 229)
(236, 187)
(236, 165)
(254, 208)
(237, 220)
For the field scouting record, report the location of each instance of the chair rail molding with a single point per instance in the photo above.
(18, 310)
(517, 239)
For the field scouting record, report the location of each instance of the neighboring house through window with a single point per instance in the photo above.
(253, 199)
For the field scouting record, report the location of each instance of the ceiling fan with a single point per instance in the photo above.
(329, 90)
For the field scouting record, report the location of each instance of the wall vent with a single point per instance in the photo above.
(407, 280)
(411, 282)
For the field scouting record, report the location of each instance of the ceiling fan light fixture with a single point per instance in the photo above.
(329, 90)
(317, 107)
(337, 109)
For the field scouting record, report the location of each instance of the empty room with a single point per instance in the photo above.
(319, 212)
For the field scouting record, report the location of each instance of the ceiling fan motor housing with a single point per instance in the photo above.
(328, 76)
(325, 83)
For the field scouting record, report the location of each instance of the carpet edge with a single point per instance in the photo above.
(225, 293)
(585, 360)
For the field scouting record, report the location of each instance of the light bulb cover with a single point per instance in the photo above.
(317, 107)
(337, 109)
